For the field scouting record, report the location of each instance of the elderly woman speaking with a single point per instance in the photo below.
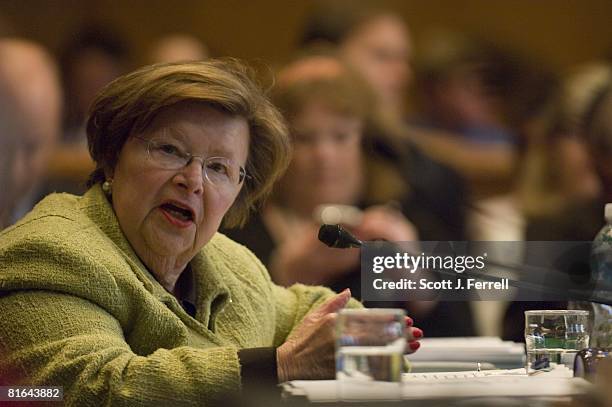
(127, 294)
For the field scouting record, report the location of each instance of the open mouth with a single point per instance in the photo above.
(178, 212)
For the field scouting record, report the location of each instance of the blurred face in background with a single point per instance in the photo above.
(327, 161)
(461, 100)
(31, 77)
(380, 50)
(89, 72)
(42, 107)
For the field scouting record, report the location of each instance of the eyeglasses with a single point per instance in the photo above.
(219, 171)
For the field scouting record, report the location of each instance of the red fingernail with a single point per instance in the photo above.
(409, 321)
(417, 333)
(415, 345)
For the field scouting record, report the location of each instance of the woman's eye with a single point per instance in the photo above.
(304, 139)
(340, 137)
(218, 168)
(169, 149)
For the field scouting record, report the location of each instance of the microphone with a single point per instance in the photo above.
(337, 236)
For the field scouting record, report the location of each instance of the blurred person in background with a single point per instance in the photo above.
(567, 186)
(9, 151)
(30, 77)
(501, 217)
(461, 88)
(338, 160)
(332, 163)
(177, 47)
(13, 171)
(555, 170)
(376, 43)
(464, 88)
(92, 58)
(563, 187)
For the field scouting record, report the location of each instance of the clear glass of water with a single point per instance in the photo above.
(370, 344)
(554, 337)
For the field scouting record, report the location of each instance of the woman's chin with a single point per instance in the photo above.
(170, 250)
(164, 241)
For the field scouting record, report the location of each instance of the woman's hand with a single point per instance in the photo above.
(309, 352)
(413, 335)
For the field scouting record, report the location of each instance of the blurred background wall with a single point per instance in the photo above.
(559, 33)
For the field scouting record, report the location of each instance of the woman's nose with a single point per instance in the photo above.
(324, 151)
(191, 177)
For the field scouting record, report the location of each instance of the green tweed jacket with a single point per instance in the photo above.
(78, 309)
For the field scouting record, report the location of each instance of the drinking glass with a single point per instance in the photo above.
(553, 337)
(370, 344)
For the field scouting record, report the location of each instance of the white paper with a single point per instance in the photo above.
(471, 349)
(493, 383)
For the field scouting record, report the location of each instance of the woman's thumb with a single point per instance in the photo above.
(335, 303)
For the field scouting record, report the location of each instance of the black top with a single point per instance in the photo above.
(437, 201)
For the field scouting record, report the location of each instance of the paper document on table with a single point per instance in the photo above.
(438, 376)
(493, 383)
(442, 366)
(471, 349)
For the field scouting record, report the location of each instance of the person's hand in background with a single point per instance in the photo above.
(304, 259)
(383, 222)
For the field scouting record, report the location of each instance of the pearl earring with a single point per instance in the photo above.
(107, 186)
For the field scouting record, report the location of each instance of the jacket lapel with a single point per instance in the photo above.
(211, 291)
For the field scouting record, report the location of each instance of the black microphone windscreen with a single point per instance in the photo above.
(329, 234)
(337, 236)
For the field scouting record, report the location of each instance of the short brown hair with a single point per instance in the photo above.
(345, 92)
(129, 104)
